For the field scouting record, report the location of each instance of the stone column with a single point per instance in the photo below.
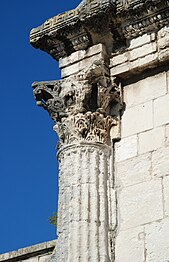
(83, 204)
(85, 107)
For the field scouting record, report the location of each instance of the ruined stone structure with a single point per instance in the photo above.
(110, 111)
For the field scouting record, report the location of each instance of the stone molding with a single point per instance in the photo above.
(22, 254)
(143, 16)
(84, 106)
(62, 153)
(106, 21)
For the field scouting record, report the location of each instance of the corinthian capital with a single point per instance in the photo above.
(84, 107)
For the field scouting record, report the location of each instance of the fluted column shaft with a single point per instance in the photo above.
(83, 225)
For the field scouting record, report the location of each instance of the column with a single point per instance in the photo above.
(84, 108)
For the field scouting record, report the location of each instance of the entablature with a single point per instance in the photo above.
(108, 22)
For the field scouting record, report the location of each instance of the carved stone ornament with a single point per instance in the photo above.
(93, 21)
(84, 107)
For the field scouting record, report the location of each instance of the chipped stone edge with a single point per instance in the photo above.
(27, 252)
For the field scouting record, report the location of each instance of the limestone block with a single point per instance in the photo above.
(5, 256)
(82, 54)
(161, 106)
(167, 135)
(75, 68)
(140, 204)
(115, 131)
(32, 259)
(151, 140)
(163, 38)
(147, 89)
(118, 59)
(166, 195)
(163, 43)
(168, 81)
(160, 162)
(163, 54)
(130, 245)
(126, 148)
(133, 171)
(135, 66)
(139, 41)
(137, 119)
(120, 69)
(141, 63)
(157, 243)
(44, 258)
(143, 51)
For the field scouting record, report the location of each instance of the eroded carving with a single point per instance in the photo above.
(82, 106)
(94, 21)
(163, 38)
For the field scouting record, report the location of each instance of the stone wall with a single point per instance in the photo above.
(37, 253)
(142, 155)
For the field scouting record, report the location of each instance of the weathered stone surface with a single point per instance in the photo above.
(157, 244)
(163, 43)
(167, 81)
(84, 211)
(161, 116)
(137, 119)
(151, 140)
(44, 259)
(167, 135)
(160, 162)
(166, 195)
(32, 253)
(126, 148)
(118, 59)
(130, 245)
(140, 41)
(145, 90)
(131, 67)
(147, 62)
(32, 259)
(82, 55)
(142, 51)
(133, 171)
(81, 65)
(119, 69)
(115, 22)
(163, 37)
(140, 204)
(84, 106)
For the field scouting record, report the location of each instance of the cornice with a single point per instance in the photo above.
(143, 17)
(108, 22)
(73, 30)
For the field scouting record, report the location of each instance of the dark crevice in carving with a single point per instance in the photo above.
(93, 105)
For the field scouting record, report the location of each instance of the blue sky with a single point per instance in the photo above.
(28, 166)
